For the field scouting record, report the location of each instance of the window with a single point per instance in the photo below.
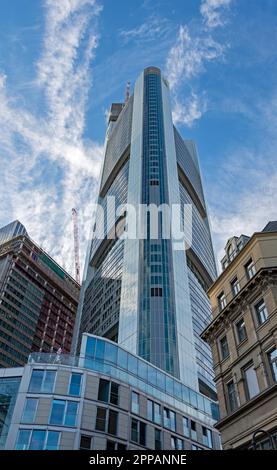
(85, 442)
(112, 423)
(250, 269)
(64, 413)
(104, 390)
(232, 396)
(75, 384)
(169, 419)
(42, 381)
(158, 439)
(154, 412)
(114, 393)
(156, 292)
(23, 439)
(176, 443)
(138, 431)
(272, 357)
(108, 392)
(222, 302)
(37, 439)
(52, 442)
(235, 286)
(113, 445)
(186, 427)
(101, 419)
(30, 409)
(207, 437)
(251, 382)
(224, 347)
(193, 430)
(261, 312)
(154, 182)
(194, 447)
(135, 403)
(241, 330)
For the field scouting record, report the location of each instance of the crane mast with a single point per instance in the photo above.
(76, 244)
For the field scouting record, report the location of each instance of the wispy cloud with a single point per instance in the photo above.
(190, 110)
(214, 12)
(248, 171)
(48, 167)
(153, 28)
(188, 58)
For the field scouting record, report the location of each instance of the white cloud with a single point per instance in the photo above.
(186, 60)
(190, 110)
(154, 28)
(48, 167)
(214, 12)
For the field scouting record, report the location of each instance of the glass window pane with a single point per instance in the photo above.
(52, 442)
(114, 393)
(36, 381)
(57, 413)
(104, 390)
(85, 442)
(112, 426)
(23, 438)
(90, 347)
(99, 350)
(29, 410)
(122, 359)
(37, 440)
(111, 353)
(71, 413)
(142, 370)
(134, 430)
(132, 364)
(135, 403)
(49, 379)
(75, 384)
(101, 419)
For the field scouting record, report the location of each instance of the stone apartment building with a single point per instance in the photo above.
(243, 337)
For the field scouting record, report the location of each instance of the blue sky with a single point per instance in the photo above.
(63, 62)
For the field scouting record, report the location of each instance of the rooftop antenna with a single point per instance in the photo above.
(127, 92)
(76, 244)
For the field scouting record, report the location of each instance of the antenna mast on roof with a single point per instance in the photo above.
(76, 244)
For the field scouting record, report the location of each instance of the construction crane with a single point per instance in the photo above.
(76, 244)
(127, 92)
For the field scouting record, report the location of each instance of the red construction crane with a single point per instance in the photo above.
(76, 244)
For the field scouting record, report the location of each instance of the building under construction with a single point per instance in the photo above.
(38, 299)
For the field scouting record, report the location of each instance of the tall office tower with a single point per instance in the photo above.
(143, 293)
(38, 299)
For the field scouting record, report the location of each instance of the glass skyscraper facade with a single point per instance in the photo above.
(141, 292)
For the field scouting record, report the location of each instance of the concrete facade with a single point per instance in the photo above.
(109, 413)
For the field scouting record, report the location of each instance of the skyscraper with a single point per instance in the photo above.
(141, 372)
(38, 299)
(142, 293)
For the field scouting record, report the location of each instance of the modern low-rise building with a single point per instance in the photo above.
(243, 337)
(38, 299)
(107, 398)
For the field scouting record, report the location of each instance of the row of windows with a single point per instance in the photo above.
(42, 381)
(250, 271)
(241, 332)
(167, 417)
(250, 381)
(64, 412)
